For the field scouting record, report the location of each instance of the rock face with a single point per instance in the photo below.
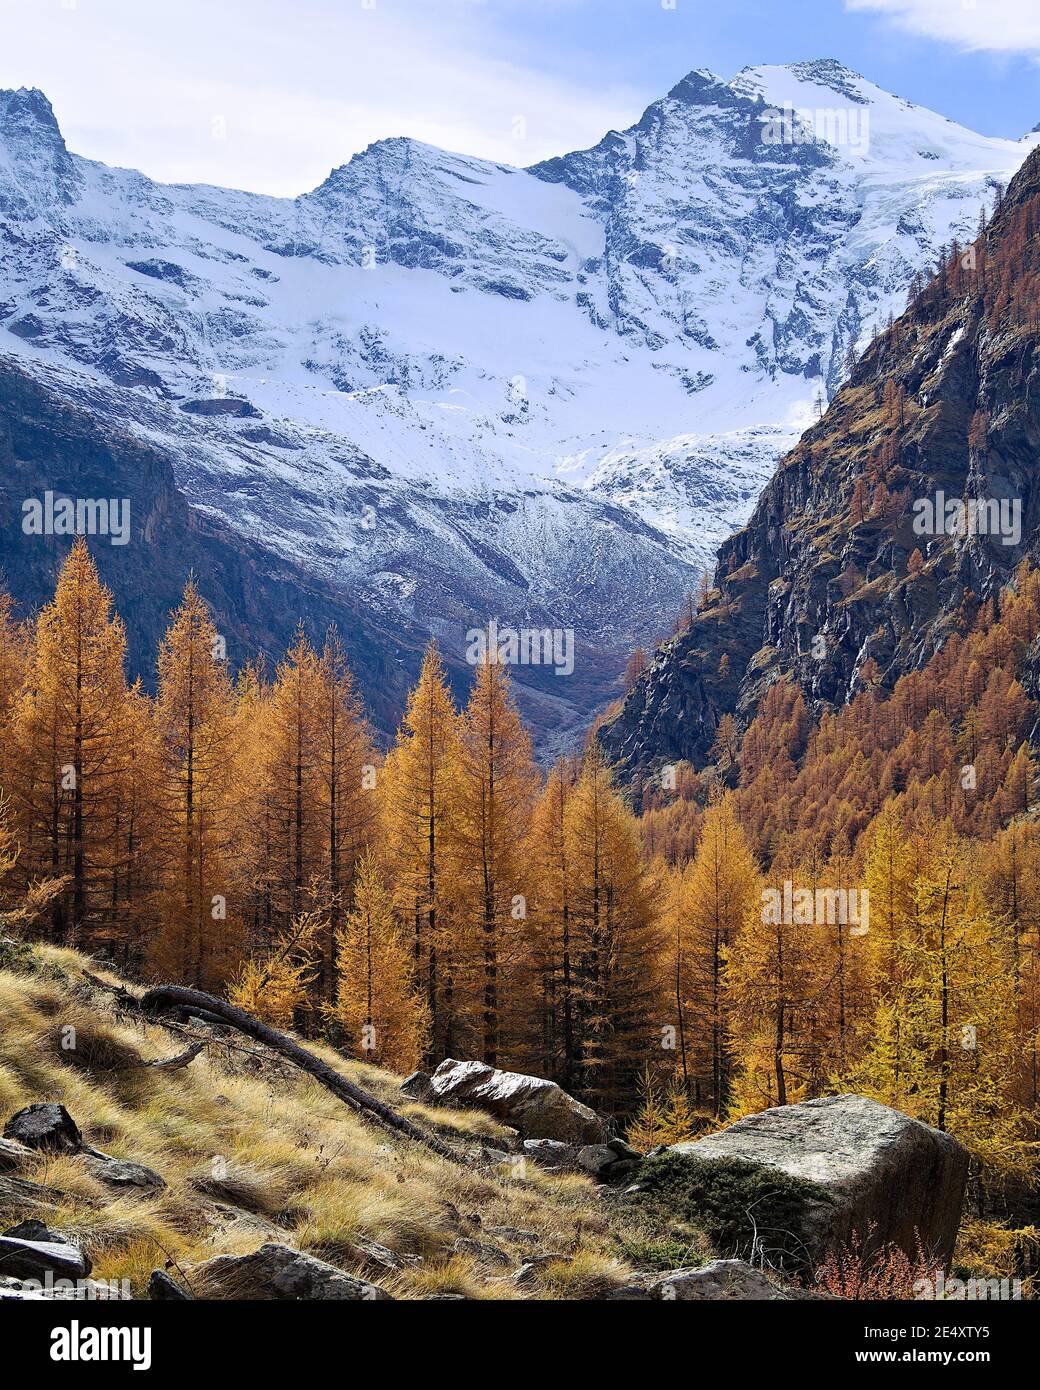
(278, 1272)
(891, 1179)
(539, 1109)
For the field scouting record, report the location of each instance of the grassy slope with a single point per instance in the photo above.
(300, 1167)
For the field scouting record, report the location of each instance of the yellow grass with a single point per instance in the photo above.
(253, 1151)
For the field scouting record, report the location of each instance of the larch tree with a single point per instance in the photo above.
(383, 1017)
(713, 899)
(617, 944)
(67, 723)
(495, 784)
(347, 786)
(555, 1001)
(195, 716)
(417, 822)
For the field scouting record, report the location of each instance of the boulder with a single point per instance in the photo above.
(720, 1281)
(278, 1272)
(889, 1179)
(47, 1127)
(539, 1109)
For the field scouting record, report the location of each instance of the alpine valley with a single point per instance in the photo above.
(437, 390)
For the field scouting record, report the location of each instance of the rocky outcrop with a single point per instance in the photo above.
(539, 1109)
(277, 1272)
(888, 1179)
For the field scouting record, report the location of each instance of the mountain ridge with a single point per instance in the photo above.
(453, 389)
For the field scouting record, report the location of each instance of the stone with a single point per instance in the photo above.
(279, 1272)
(418, 1086)
(534, 1264)
(47, 1127)
(891, 1179)
(551, 1153)
(481, 1252)
(539, 1109)
(163, 1289)
(720, 1281)
(35, 1259)
(122, 1173)
(13, 1155)
(35, 1230)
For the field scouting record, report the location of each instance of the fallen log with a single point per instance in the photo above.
(193, 1002)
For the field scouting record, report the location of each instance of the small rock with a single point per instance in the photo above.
(47, 1127)
(278, 1272)
(13, 1155)
(35, 1259)
(534, 1264)
(482, 1252)
(513, 1235)
(551, 1153)
(121, 1173)
(418, 1086)
(372, 1255)
(163, 1289)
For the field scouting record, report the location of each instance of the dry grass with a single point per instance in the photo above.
(253, 1151)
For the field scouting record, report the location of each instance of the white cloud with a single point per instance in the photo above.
(262, 95)
(997, 26)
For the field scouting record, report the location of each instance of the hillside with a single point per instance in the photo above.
(834, 582)
(251, 1151)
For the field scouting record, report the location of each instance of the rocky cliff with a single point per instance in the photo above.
(912, 500)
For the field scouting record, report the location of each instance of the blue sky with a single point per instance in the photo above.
(270, 95)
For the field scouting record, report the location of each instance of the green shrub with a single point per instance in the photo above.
(745, 1209)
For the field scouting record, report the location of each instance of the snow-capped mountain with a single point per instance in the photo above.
(458, 389)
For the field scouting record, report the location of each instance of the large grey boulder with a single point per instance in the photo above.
(539, 1109)
(890, 1179)
(278, 1272)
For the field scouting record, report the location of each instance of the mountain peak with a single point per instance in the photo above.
(26, 109)
(701, 87)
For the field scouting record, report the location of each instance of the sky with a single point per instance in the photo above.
(270, 95)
